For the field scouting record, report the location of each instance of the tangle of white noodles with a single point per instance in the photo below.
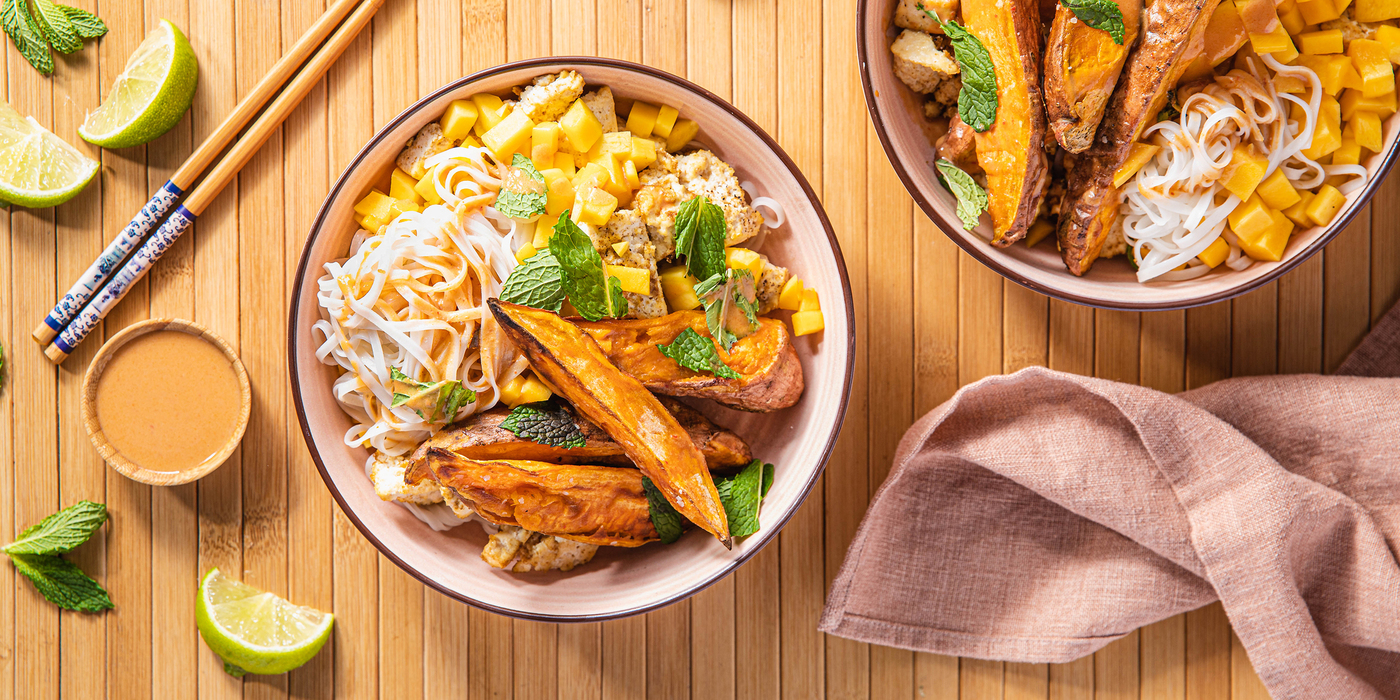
(411, 296)
(1170, 215)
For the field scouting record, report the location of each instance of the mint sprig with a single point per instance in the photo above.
(595, 295)
(536, 283)
(697, 353)
(668, 522)
(741, 495)
(48, 23)
(86, 24)
(1099, 14)
(35, 555)
(547, 423)
(25, 32)
(56, 26)
(972, 199)
(519, 204)
(700, 232)
(977, 100)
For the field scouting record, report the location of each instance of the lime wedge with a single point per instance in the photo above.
(151, 94)
(254, 631)
(38, 169)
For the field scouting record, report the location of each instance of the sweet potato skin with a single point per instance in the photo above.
(1012, 152)
(571, 361)
(584, 503)
(770, 372)
(1172, 36)
(1082, 65)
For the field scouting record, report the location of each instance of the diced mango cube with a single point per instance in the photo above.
(1039, 231)
(565, 163)
(681, 134)
(807, 322)
(458, 120)
(400, 206)
(1298, 213)
(509, 135)
(1347, 154)
(1372, 61)
(401, 186)
(621, 247)
(633, 279)
(1325, 205)
(510, 391)
(665, 121)
(1353, 101)
(642, 119)
(1366, 129)
(1225, 34)
(427, 189)
(790, 298)
(525, 252)
(810, 301)
(1376, 10)
(617, 145)
(1291, 18)
(590, 175)
(1329, 74)
(1245, 171)
(1389, 35)
(643, 152)
(1268, 244)
(581, 127)
(1318, 11)
(1258, 16)
(1138, 155)
(375, 204)
(370, 223)
(1250, 218)
(1277, 192)
(744, 259)
(489, 109)
(1327, 137)
(1215, 253)
(1276, 42)
(629, 171)
(1290, 84)
(534, 390)
(559, 191)
(544, 230)
(593, 206)
(1321, 42)
(679, 289)
(544, 143)
(1198, 69)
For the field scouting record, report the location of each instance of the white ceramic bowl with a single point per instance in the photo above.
(904, 133)
(617, 582)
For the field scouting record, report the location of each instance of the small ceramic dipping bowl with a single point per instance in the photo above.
(123, 463)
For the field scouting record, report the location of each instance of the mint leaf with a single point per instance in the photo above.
(977, 101)
(581, 273)
(86, 24)
(62, 583)
(547, 423)
(62, 531)
(972, 199)
(664, 518)
(700, 232)
(25, 32)
(518, 199)
(441, 399)
(740, 494)
(1099, 14)
(697, 353)
(536, 283)
(56, 26)
(730, 310)
(459, 397)
(767, 479)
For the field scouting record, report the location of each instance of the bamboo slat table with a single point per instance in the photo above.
(929, 319)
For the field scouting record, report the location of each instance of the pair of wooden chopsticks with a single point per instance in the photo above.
(78, 312)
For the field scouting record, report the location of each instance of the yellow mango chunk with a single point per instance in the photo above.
(642, 119)
(1277, 192)
(525, 252)
(590, 175)
(534, 390)
(744, 259)
(1327, 137)
(633, 279)
(1376, 10)
(371, 224)
(1325, 205)
(544, 230)
(1366, 129)
(679, 289)
(400, 206)
(1291, 18)
(681, 134)
(643, 152)
(1245, 172)
(490, 110)
(401, 186)
(581, 127)
(593, 206)
(375, 204)
(807, 322)
(1276, 42)
(1372, 61)
(621, 247)
(1298, 213)
(458, 120)
(790, 298)
(1250, 218)
(629, 170)
(427, 189)
(810, 301)
(544, 144)
(1319, 11)
(1322, 42)
(665, 121)
(559, 191)
(1389, 35)
(1199, 68)
(1138, 155)
(1290, 84)
(1039, 231)
(1268, 244)
(1258, 16)
(1353, 101)
(1215, 253)
(1225, 34)
(1347, 154)
(565, 163)
(1329, 74)
(508, 135)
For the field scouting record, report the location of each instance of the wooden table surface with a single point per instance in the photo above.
(929, 319)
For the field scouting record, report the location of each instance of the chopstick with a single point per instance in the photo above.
(64, 311)
(223, 173)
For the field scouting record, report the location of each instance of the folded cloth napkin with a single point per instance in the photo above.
(1039, 516)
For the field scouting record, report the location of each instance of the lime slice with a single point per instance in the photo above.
(151, 94)
(254, 631)
(38, 169)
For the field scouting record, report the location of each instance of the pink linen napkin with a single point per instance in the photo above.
(1039, 516)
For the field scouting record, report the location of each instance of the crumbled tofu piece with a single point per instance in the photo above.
(460, 506)
(549, 96)
(600, 102)
(531, 551)
(1351, 29)
(626, 226)
(943, 101)
(661, 194)
(919, 63)
(429, 142)
(907, 14)
(769, 285)
(387, 474)
(703, 173)
(1115, 244)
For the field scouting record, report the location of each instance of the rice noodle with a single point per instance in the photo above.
(411, 296)
(1179, 206)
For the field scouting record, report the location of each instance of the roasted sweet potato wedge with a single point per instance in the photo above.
(1081, 68)
(596, 505)
(770, 373)
(481, 437)
(1012, 151)
(1172, 36)
(571, 361)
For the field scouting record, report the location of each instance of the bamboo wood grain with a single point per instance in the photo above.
(9, 502)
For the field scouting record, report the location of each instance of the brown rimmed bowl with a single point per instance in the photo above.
(110, 454)
(1111, 283)
(618, 582)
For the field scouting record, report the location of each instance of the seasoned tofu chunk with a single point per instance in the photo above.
(703, 173)
(769, 285)
(547, 98)
(522, 551)
(920, 64)
(908, 15)
(600, 102)
(656, 202)
(387, 473)
(1351, 29)
(429, 142)
(626, 227)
